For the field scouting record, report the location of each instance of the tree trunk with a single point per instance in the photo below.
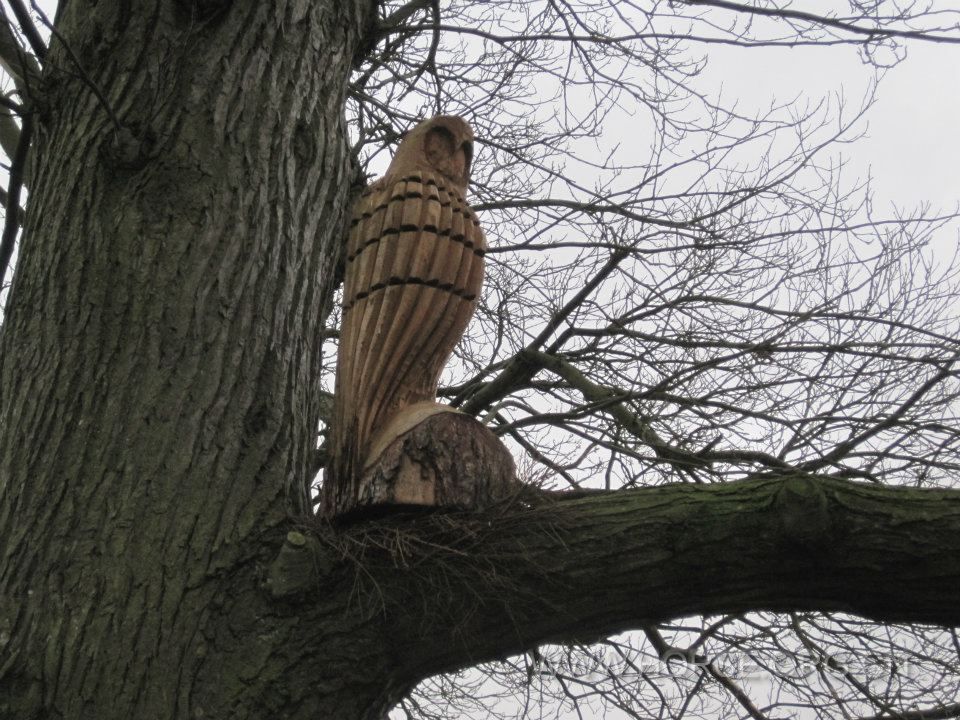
(160, 363)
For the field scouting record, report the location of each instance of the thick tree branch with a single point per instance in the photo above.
(579, 570)
(28, 29)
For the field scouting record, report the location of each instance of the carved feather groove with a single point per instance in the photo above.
(414, 270)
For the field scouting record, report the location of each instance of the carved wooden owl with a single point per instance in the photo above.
(414, 268)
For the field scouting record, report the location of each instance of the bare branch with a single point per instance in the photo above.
(9, 134)
(400, 16)
(521, 369)
(942, 712)
(28, 29)
(16, 62)
(871, 33)
(667, 652)
(845, 447)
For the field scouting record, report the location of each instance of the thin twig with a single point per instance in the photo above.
(431, 64)
(871, 33)
(668, 652)
(520, 369)
(840, 451)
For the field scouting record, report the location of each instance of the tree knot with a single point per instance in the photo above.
(802, 508)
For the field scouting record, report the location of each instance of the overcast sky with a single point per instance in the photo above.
(913, 143)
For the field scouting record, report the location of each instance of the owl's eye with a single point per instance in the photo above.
(439, 146)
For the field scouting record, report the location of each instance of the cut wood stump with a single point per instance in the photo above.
(431, 455)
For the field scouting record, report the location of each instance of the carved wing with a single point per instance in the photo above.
(414, 271)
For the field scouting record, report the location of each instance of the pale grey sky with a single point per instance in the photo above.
(912, 145)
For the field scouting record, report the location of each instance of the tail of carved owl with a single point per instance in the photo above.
(414, 271)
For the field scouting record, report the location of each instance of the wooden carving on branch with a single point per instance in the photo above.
(414, 269)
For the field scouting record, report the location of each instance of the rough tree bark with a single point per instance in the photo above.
(158, 378)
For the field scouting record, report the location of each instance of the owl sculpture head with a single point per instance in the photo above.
(443, 145)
